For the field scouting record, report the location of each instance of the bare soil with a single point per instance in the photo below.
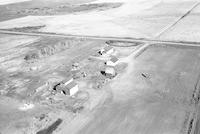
(31, 66)
(157, 104)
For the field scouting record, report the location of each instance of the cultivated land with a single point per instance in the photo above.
(183, 28)
(155, 89)
(124, 18)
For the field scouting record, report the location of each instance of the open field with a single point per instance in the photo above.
(159, 104)
(187, 29)
(48, 7)
(148, 95)
(99, 67)
(139, 19)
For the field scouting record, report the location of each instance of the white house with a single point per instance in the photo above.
(71, 89)
(112, 61)
(106, 50)
(110, 72)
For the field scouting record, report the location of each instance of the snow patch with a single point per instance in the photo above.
(26, 106)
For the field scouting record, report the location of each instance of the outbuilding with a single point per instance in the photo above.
(109, 72)
(106, 50)
(70, 89)
(67, 81)
(112, 61)
(67, 87)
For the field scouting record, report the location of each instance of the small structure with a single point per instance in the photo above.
(67, 87)
(70, 89)
(67, 81)
(109, 72)
(112, 61)
(106, 50)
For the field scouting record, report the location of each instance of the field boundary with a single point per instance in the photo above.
(121, 39)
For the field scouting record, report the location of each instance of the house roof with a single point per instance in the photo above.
(114, 59)
(68, 87)
(67, 79)
(107, 48)
(71, 85)
(110, 70)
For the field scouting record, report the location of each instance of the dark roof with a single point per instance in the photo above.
(114, 59)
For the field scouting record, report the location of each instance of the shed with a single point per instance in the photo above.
(112, 61)
(110, 72)
(106, 50)
(67, 81)
(70, 89)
